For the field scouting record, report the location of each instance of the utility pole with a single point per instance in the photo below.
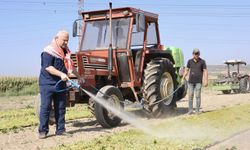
(80, 8)
(80, 5)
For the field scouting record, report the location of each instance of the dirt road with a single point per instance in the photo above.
(86, 129)
(211, 100)
(237, 142)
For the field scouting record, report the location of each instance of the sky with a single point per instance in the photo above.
(220, 29)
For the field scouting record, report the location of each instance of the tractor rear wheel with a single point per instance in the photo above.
(182, 92)
(226, 91)
(37, 104)
(248, 85)
(236, 91)
(111, 96)
(244, 85)
(159, 82)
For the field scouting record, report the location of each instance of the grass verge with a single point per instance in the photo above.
(182, 133)
(15, 120)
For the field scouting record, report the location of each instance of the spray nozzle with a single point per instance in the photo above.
(72, 84)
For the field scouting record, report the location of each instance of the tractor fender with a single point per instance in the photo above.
(245, 76)
(157, 54)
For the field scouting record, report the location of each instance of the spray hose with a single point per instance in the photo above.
(72, 85)
(77, 86)
(171, 94)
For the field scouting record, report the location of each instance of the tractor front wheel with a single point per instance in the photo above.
(108, 96)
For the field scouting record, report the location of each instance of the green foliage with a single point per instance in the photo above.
(12, 120)
(186, 132)
(15, 120)
(15, 86)
(78, 111)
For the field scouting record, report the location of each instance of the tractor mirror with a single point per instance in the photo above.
(77, 26)
(140, 22)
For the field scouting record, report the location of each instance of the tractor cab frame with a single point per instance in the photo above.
(120, 55)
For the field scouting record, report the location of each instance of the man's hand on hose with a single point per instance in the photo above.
(64, 77)
(81, 80)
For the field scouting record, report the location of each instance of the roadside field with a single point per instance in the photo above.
(186, 132)
(17, 119)
(16, 86)
(222, 117)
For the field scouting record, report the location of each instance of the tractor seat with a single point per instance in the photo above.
(234, 74)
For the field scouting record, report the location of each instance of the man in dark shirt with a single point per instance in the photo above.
(55, 65)
(197, 69)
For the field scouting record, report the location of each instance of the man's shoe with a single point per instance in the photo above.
(42, 135)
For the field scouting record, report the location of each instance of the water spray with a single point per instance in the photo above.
(186, 132)
(126, 116)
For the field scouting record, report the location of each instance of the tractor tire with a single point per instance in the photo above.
(91, 106)
(159, 82)
(226, 91)
(104, 117)
(244, 85)
(182, 92)
(91, 103)
(236, 91)
(37, 104)
(249, 84)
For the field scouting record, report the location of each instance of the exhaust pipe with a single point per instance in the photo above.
(110, 50)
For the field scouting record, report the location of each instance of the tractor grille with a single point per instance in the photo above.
(73, 57)
(87, 65)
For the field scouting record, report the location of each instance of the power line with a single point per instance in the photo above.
(128, 4)
(180, 14)
(174, 5)
(37, 2)
(199, 14)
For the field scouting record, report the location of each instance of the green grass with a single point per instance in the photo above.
(15, 120)
(181, 133)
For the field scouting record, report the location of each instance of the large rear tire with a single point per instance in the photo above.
(182, 92)
(244, 85)
(37, 104)
(104, 117)
(236, 91)
(248, 85)
(159, 82)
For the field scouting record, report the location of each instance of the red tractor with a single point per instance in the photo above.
(120, 55)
